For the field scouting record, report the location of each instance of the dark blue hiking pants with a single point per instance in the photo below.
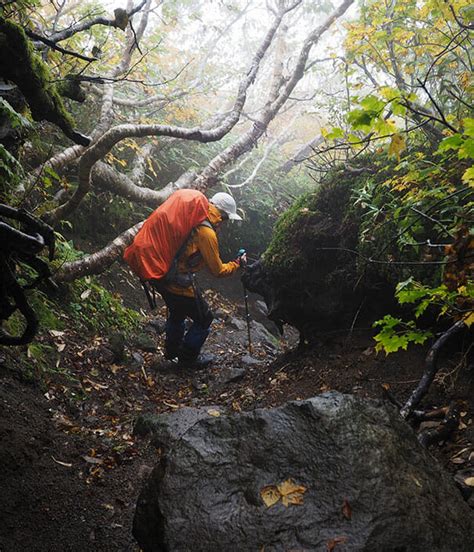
(177, 343)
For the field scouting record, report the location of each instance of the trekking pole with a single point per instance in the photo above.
(246, 300)
(247, 316)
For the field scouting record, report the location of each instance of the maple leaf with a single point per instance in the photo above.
(288, 491)
(270, 495)
(291, 492)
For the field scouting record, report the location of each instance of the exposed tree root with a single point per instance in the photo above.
(430, 369)
(445, 429)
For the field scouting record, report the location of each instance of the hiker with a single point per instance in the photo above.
(177, 284)
(183, 297)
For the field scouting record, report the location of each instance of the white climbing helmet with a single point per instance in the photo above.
(226, 203)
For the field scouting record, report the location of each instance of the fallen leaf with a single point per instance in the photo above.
(114, 368)
(213, 412)
(462, 451)
(92, 460)
(295, 499)
(56, 333)
(331, 545)
(95, 385)
(288, 491)
(270, 495)
(417, 482)
(291, 492)
(236, 406)
(65, 464)
(458, 460)
(62, 420)
(170, 404)
(60, 347)
(346, 509)
(469, 481)
(85, 294)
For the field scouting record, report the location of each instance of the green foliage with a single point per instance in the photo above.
(370, 111)
(397, 334)
(463, 145)
(45, 310)
(19, 7)
(17, 120)
(11, 173)
(88, 302)
(445, 301)
(91, 305)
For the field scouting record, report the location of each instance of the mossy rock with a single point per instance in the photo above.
(21, 65)
(312, 265)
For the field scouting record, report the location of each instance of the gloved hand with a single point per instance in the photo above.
(241, 258)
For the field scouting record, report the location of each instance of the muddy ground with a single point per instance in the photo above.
(70, 466)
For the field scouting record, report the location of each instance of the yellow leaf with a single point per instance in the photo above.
(288, 491)
(270, 495)
(289, 487)
(150, 167)
(213, 412)
(469, 481)
(397, 145)
(469, 319)
(296, 499)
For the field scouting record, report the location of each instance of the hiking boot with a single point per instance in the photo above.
(201, 361)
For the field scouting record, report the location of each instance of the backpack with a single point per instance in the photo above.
(154, 252)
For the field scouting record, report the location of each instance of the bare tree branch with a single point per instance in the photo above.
(85, 25)
(115, 135)
(249, 139)
(54, 46)
(99, 261)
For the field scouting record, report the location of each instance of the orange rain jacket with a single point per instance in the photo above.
(202, 251)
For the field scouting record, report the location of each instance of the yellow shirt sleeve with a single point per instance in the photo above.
(209, 247)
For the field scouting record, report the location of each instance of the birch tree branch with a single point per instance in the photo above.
(85, 25)
(118, 133)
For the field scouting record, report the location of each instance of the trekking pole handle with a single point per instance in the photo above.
(242, 257)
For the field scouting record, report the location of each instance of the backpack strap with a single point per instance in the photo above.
(150, 294)
(206, 223)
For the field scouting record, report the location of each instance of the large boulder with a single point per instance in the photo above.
(318, 274)
(341, 473)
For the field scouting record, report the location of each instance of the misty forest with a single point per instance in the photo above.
(236, 275)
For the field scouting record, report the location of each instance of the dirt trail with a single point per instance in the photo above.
(70, 466)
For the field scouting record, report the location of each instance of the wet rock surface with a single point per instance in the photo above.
(365, 483)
